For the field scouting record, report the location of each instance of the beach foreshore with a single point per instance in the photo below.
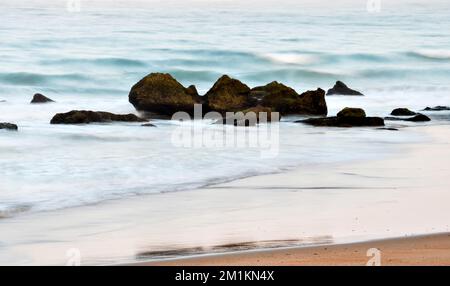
(402, 194)
(388, 204)
(429, 250)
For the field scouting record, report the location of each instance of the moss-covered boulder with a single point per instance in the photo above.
(228, 95)
(87, 116)
(351, 112)
(286, 100)
(161, 94)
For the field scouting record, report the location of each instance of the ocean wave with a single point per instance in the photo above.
(431, 54)
(111, 62)
(33, 79)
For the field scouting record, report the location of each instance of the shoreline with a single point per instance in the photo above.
(360, 200)
(416, 250)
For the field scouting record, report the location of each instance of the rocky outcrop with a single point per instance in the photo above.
(341, 88)
(39, 98)
(8, 126)
(417, 118)
(286, 100)
(85, 117)
(437, 108)
(402, 112)
(161, 94)
(348, 117)
(228, 95)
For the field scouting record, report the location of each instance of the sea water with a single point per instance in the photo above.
(89, 55)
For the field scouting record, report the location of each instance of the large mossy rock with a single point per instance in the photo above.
(161, 94)
(348, 117)
(341, 88)
(86, 116)
(228, 95)
(8, 126)
(286, 100)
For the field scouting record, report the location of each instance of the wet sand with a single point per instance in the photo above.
(430, 250)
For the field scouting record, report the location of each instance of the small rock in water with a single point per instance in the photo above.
(85, 117)
(341, 88)
(388, 128)
(8, 126)
(39, 98)
(437, 108)
(419, 118)
(148, 125)
(348, 117)
(351, 112)
(402, 112)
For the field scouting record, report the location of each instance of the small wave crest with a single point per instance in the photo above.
(431, 54)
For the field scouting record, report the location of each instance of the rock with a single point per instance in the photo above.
(402, 112)
(161, 94)
(39, 98)
(388, 128)
(85, 117)
(286, 100)
(228, 95)
(250, 117)
(351, 112)
(419, 118)
(348, 117)
(148, 125)
(8, 126)
(341, 88)
(437, 108)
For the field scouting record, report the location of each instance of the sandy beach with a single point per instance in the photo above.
(405, 194)
(430, 250)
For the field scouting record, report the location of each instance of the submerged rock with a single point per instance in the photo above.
(437, 108)
(148, 125)
(228, 95)
(418, 118)
(286, 100)
(161, 94)
(341, 88)
(85, 117)
(39, 98)
(348, 117)
(8, 126)
(402, 112)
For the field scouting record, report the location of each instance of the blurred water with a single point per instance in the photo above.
(90, 59)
